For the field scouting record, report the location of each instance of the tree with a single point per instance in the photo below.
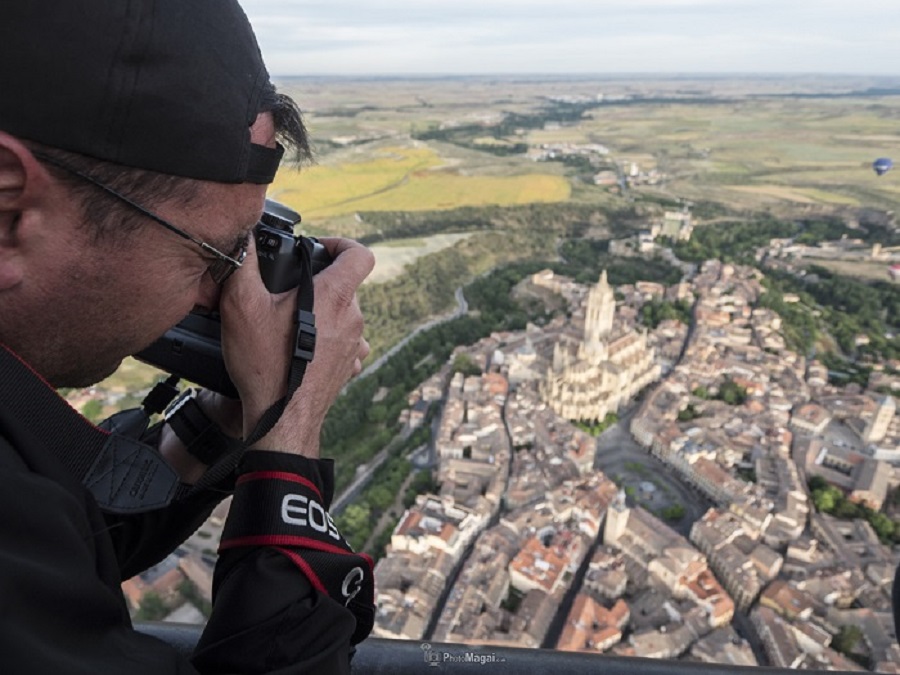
(673, 513)
(93, 409)
(847, 639)
(597, 427)
(152, 607)
(817, 483)
(355, 524)
(656, 311)
(380, 497)
(377, 414)
(884, 527)
(688, 413)
(826, 499)
(463, 363)
(731, 392)
(844, 508)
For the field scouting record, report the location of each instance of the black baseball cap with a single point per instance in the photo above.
(166, 85)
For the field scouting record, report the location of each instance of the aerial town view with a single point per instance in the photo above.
(514, 531)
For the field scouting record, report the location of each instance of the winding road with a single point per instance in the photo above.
(462, 309)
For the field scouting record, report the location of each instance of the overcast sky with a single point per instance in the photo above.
(372, 37)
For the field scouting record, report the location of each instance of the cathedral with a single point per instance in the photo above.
(595, 376)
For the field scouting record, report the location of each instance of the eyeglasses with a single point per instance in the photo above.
(219, 269)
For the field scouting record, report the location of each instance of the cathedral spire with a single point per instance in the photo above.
(601, 310)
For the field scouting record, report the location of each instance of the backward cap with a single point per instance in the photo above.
(166, 85)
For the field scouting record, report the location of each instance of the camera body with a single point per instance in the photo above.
(192, 350)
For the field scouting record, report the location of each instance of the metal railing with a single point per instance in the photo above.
(377, 656)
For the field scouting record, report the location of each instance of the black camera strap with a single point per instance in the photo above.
(304, 345)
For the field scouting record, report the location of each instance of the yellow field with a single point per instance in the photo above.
(406, 179)
(325, 187)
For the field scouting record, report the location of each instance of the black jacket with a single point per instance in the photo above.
(289, 595)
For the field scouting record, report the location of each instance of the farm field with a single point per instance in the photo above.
(405, 179)
(759, 151)
(744, 142)
(391, 258)
(866, 271)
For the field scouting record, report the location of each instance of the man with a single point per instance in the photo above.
(136, 141)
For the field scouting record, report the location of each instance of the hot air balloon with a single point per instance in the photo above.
(882, 165)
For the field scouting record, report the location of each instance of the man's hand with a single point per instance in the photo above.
(257, 342)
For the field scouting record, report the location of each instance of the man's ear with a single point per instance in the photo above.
(22, 182)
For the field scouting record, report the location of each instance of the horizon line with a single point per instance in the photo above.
(584, 75)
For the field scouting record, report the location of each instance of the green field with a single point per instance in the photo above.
(760, 151)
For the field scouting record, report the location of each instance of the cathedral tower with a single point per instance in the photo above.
(598, 318)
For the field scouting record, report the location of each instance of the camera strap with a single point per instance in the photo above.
(304, 345)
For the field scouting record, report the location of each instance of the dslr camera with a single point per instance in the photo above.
(192, 350)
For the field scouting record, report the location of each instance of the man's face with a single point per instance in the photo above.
(116, 298)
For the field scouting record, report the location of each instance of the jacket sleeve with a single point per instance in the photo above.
(289, 595)
(274, 607)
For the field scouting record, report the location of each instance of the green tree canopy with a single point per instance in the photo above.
(847, 639)
(152, 607)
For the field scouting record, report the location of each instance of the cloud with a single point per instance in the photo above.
(471, 36)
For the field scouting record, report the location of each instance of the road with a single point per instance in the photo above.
(462, 308)
(363, 477)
